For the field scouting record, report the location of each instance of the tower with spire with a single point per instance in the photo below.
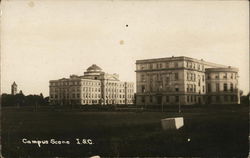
(14, 88)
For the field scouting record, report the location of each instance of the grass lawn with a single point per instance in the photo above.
(211, 131)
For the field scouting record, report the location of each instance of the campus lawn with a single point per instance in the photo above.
(209, 131)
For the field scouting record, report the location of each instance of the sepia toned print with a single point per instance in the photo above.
(124, 78)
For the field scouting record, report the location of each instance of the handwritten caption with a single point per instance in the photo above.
(39, 143)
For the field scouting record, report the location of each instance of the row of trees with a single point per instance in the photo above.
(21, 100)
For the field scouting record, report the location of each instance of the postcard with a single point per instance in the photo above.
(117, 78)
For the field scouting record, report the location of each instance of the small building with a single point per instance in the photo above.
(94, 87)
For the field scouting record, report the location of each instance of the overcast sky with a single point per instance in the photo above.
(51, 39)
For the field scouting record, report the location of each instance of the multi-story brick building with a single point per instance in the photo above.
(94, 87)
(183, 80)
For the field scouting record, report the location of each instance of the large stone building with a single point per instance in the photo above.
(94, 87)
(185, 81)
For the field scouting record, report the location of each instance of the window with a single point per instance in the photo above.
(217, 87)
(142, 67)
(157, 77)
(225, 76)
(208, 87)
(187, 98)
(190, 65)
(208, 76)
(203, 78)
(159, 99)
(231, 87)
(187, 87)
(167, 65)
(176, 98)
(225, 87)
(175, 64)
(143, 88)
(191, 88)
(151, 87)
(167, 99)
(151, 66)
(142, 99)
(151, 99)
(176, 89)
(203, 89)
(151, 78)
(142, 78)
(176, 76)
(78, 95)
(217, 76)
(194, 88)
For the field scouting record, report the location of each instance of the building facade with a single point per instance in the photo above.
(222, 86)
(182, 80)
(14, 88)
(94, 87)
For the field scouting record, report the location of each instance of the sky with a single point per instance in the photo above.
(43, 40)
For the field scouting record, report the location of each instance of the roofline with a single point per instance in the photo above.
(179, 58)
(229, 69)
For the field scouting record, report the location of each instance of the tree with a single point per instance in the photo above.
(21, 92)
(21, 100)
(245, 99)
(241, 92)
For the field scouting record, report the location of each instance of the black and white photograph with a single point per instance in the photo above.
(124, 78)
